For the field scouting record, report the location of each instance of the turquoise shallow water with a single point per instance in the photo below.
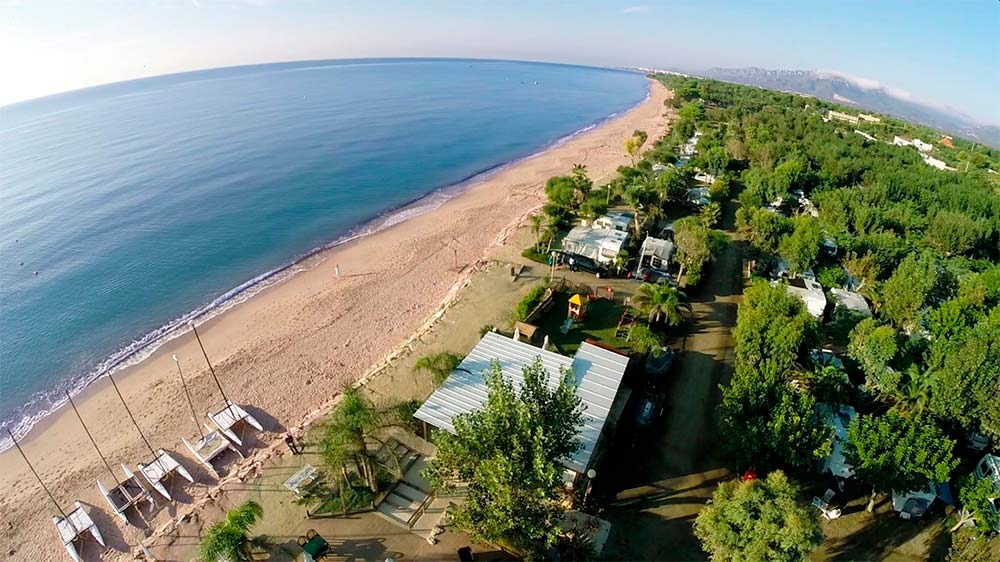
(144, 203)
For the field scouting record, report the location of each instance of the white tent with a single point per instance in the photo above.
(850, 301)
(598, 244)
(657, 250)
(838, 418)
(810, 292)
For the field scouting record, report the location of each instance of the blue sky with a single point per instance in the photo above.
(943, 52)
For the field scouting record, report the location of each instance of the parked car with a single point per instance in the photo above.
(659, 363)
(649, 409)
(577, 262)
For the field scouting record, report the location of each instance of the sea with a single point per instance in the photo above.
(130, 209)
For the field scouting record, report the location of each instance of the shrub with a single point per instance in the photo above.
(528, 303)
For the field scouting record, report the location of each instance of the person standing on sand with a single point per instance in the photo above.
(336, 270)
(293, 445)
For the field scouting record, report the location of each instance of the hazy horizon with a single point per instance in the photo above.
(938, 55)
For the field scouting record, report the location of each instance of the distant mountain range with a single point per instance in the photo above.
(860, 93)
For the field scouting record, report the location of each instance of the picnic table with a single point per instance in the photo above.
(301, 480)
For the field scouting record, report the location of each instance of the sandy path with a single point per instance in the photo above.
(288, 350)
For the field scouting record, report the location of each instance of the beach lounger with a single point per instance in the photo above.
(209, 447)
(163, 466)
(75, 527)
(230, 417)
(125, 494)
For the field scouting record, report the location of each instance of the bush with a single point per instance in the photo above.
(832, 277)
(528, 303)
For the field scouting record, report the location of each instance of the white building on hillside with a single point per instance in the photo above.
(842, 116)
(922, 146)
(869, 118)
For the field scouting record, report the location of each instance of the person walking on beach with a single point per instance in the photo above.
(336, 270)
(293, 445)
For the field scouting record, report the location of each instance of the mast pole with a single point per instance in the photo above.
(129, 412)
(212, 370)
(92, 441)
(37, 477)
(194, 415)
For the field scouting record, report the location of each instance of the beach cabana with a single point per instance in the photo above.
(75, 527)
(160, 469)
(209, 447)
(126, 494)
(233, 420)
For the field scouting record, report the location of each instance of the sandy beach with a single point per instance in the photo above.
(287, 351)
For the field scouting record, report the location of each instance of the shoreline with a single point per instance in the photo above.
(141, 348)
(285, 353)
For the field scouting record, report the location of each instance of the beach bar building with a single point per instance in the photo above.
(598, 373)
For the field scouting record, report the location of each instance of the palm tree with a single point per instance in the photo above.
(439, 365)
(352, 426)
(537, 225)
(229, 540)
(661, 303)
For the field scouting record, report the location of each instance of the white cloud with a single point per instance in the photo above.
(636, 10)
(872, 85)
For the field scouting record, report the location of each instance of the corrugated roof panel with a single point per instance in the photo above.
(598, 373)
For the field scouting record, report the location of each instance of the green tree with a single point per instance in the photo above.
(800, 249)
(977, 495)
(229, 540)
(953, 233)
(758, 521)
(765, 423)
(965, 374)
(643, 340)
(873, 346)
(771, 328)
(763, 228)
(693, 111)
(639, 196)
(353, 424)
(696, 246)
(903, 296)
(719, 190)
(970, 547)
(509, 452)
(896, 453)
(711, 214)
(662, 304)
(439, 365)
(633, 145)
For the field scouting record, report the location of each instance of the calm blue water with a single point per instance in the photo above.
(141, 202)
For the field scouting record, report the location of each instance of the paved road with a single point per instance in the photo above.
(655, 483)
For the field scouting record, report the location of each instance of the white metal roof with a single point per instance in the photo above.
(598, 375)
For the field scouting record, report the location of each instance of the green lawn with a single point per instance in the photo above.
(599, 324)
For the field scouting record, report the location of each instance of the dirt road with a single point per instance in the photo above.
(655, 488)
